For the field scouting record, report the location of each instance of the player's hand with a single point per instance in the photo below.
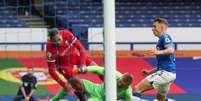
(82, 69)
(75, 70)
(27, 98)
(153, 51)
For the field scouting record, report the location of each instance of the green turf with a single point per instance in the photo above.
(9, 63)
(41, 90)
(10, 87)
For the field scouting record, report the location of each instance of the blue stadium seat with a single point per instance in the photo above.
(9, 17)
(129, 13)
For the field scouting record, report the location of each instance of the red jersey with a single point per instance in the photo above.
(70, 52)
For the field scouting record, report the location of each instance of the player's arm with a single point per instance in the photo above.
(99, 70)
(81, 49)
(169, 47)
(34, 82)
(28, 96)
(22, 87)
(168, 50)
(95, 69)
(23, 91)
(51, 59)
(75, 42)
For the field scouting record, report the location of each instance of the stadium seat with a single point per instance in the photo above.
(129, 13)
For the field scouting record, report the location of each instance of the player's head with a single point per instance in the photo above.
(125, 80)
(159, 26)
(54, 36)
(76, 83)
(30, 70)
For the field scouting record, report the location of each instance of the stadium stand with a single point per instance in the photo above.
(129, 13)
(81, 14)
(9, 18)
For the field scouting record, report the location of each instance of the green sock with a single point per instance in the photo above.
(60, 94)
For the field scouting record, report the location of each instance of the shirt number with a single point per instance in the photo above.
(167, 40)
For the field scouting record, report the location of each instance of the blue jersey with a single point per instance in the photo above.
(166, 62)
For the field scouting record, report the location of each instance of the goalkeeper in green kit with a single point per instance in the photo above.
(95, 91)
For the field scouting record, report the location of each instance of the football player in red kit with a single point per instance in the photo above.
(64, 51)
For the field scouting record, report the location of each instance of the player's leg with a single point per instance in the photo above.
(142, 86)
(162, 92)
(148, 83)
(161, 82)
(160, 97)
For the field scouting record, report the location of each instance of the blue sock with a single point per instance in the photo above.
(137, 94)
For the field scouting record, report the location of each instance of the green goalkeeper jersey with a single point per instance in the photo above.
(96, 92)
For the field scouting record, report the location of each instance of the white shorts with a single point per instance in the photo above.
(161, 81)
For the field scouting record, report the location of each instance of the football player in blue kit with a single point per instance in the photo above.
(161, 77)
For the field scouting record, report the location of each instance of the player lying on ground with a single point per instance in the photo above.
(95, 92)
